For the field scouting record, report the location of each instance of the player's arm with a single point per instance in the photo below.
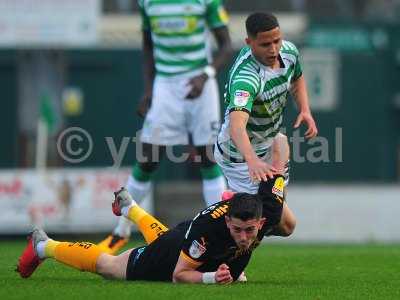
(217, 20)
(223, 54)
(237, 130)
(299, 91)
(148, 62)
(185, 272)
(197, 249)
(148, 73)
(224, 44)
(258, 169)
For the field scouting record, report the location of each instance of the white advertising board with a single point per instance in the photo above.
(48, 23)
(72, 200)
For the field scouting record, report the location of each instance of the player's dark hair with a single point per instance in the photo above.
(245, 207)
(260, 22)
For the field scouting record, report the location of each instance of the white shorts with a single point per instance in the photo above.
(172, 117)
(237, 174)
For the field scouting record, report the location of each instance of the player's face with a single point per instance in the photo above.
(244, 233)
(265, 46)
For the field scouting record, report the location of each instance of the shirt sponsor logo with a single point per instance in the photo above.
(277, 189)
(174, 25)
(196, 249)
(241, 98)
(223, 15)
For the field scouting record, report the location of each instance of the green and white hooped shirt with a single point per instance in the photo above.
(262, 92)
(179, 31)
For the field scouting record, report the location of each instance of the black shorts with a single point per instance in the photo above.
(156, 262)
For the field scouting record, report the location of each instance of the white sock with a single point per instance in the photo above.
(40, 249)
(138, 190)
(213, 189)
(123, 228)
(125, 210)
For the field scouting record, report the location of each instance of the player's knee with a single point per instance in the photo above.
(151, 157)
(106, 266)
(113, 267)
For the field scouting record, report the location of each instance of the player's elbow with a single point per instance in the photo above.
(177, 276)
(174, 278)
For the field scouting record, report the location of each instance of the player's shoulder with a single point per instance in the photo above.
(245, 59)
(212, 214)
(245, 70)
(289, 48)
(209, 222)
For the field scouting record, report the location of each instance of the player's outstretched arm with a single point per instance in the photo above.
(258, 169)
(299, 91)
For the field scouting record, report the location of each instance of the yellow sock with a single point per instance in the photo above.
(149, 226)
(80, 255)
(50, 248)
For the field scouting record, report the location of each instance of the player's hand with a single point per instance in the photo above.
(144, 104)
(259, 170)
(223, 275)
(307, 118)
(197, 84)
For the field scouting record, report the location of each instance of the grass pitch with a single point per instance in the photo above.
(276, 271)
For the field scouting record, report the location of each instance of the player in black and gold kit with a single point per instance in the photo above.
(214, 247)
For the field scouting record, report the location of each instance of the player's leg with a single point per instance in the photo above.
(83, 256)
(287, 223)
(213, 180)
(280, 160)
(113, 267)
(139, 186)
(204, 124)
(150, 227)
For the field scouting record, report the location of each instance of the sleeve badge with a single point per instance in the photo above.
(196, 249)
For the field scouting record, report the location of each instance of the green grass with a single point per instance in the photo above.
(276, 271)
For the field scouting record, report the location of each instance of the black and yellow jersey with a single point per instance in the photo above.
(208, 242)
(205, 241)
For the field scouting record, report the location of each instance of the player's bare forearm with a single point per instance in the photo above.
(188, 277)
(224, 45)
(185, 272)
(148, 62)
(299, 91)
(258, 169)
(237, 129)
(222, 56)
